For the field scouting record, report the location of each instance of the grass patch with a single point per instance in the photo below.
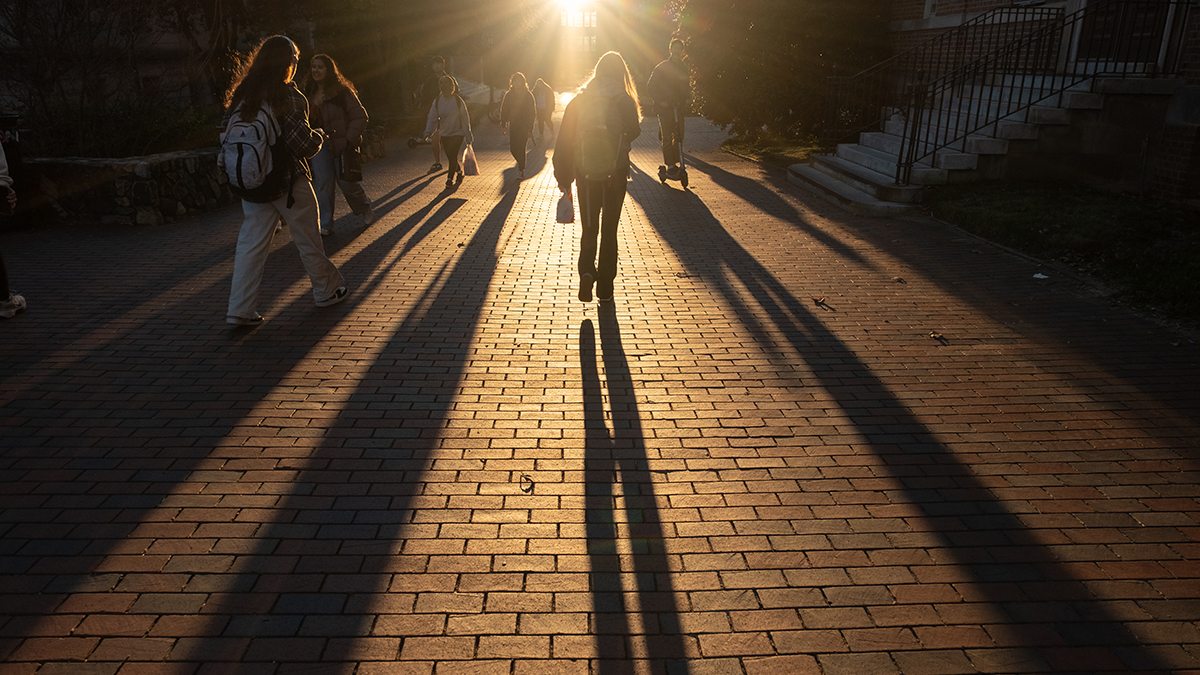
(1148, 250)
(775, 150)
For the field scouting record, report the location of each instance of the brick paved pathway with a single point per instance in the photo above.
(464, 470)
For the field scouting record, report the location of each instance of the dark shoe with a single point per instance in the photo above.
(449, 183)
(604, 293)
(459, 180)
(585, 287)
(338, 296)
(435, 167)
(245, 321)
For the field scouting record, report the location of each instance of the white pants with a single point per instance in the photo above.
(254, 243)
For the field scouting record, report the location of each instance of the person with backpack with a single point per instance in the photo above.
(337, 111)
(13, 302)
(668, 92)
(544, 98)
(592, 151)
(265, 151)
(517, 113)
(448, 117)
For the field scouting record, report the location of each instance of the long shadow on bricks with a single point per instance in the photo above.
(85, 499)
(1047, 610)
(1071, 321)
(618, 460)
(321, 570)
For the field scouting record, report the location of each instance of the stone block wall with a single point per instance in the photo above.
(131, 191)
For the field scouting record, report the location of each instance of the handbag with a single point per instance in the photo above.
(470, 163)
(349, 164)
(566, 208)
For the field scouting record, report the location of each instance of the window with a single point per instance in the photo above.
(575, 18)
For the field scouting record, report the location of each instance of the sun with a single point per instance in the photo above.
(570, 5)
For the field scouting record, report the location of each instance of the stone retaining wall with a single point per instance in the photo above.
(146, 190)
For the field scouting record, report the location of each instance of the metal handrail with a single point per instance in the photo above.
(860, 101)
(1109, 38)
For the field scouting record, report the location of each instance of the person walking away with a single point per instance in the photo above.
(264, 103)
(668, 91)
(517, 114)
(13, 302)
(449, 119)
(430, 88)
(592, 150)
(338, 112)
(544, 99)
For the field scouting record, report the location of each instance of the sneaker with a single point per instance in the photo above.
(435, 167)
(245, 321)
(368, 217)
(449, 183)
(9, 308)
(585, 287)
(338, 296)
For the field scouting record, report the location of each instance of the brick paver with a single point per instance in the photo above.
(464, 470)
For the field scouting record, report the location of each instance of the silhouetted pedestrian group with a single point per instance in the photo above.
(287, 151)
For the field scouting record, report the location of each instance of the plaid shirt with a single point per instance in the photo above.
(301, 139)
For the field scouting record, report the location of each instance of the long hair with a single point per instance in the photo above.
(335, 81)
(518, 81)
(263, 77)
(611, 69)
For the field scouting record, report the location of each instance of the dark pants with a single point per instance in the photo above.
(518, 140)
(452, 145)
(600, 204)
(670, 125)
(5, 291)
(544, 120)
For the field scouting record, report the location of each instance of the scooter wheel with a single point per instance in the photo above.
(662, 175)
(683, 179)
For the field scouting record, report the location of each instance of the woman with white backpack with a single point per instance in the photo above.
(265, 151)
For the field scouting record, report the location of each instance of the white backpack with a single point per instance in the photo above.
(247, 150)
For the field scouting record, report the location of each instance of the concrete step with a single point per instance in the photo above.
(879, 161)
(950, 158)
(1002, 131)
(975, 145)
(1137, 86)
(1034, 94)
(1048, 116)
(1043, 82)
(843, 193)
(964, 117)
(881, 186)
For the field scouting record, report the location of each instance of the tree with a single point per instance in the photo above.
(764, 64)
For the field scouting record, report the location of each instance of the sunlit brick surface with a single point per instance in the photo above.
(463, 469)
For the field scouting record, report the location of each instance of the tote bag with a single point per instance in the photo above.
(470, 164)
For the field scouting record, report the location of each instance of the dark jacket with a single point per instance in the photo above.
(343, 118)
(566, 146)
(668, 85)
(518, 109)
